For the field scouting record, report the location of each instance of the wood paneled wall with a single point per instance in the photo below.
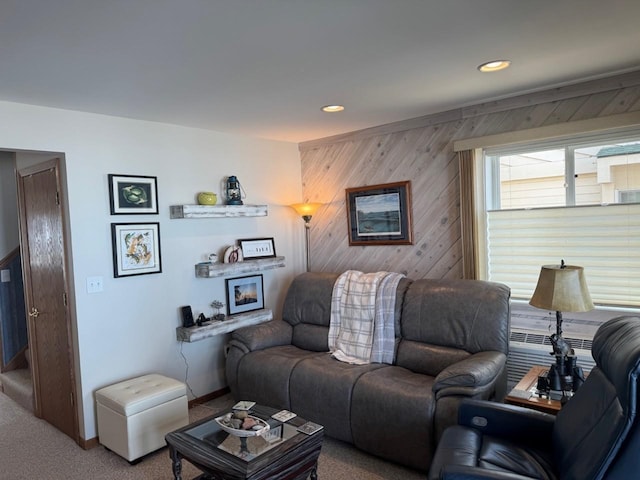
(421, 150)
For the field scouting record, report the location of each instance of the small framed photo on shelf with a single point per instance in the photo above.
(253, 248)
(136, 249)
(244, 294)
(380, 214)
(133, 194)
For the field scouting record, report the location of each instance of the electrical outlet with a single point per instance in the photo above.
(94, 284)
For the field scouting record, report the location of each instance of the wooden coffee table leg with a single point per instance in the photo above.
(176, 463)
(314, 472)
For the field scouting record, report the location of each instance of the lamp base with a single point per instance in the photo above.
(560, 345)
(563, 376)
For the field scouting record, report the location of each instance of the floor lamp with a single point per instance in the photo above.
(306, 211)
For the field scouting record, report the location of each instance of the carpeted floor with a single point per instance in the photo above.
(30, 448)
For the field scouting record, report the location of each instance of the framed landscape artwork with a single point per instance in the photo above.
(380, 214)
(244, 294)
(133, 194)
(136, 249)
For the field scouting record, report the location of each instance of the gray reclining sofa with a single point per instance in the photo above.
(452, 340)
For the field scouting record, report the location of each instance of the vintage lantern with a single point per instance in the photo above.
(234, 193)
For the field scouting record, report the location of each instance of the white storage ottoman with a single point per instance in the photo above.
(135, 415)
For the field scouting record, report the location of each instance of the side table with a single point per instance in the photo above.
(524, 393)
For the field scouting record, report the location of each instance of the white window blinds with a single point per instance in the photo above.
(605, 240)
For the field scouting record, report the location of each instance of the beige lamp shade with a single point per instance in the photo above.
(562, 288)
(306, 209)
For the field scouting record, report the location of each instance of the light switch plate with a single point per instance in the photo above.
(5, 276)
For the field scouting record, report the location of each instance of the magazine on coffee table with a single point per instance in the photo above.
(283, 415)
(310, 428)
(243, 405)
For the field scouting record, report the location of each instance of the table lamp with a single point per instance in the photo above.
(306, 211)
(562, 288)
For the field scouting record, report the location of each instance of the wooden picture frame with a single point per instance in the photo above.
(257, 248)
(380, 214)
(244, 294)
(133, 194)
(136, 249)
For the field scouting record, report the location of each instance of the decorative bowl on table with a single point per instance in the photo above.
(255, 430)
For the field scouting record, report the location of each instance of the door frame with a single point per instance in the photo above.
(54, 164)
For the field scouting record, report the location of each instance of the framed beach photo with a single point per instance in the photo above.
(133, 194)
(136, 249)
(244, 294)
(257, 248)
(380, 214)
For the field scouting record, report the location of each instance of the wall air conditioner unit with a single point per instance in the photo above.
(528, 348)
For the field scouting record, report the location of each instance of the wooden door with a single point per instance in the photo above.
(44, 264)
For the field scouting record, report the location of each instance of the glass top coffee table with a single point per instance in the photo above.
(282, 453)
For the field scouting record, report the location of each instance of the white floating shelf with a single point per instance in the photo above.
(208, 270)
(217, 211)
(219, 327)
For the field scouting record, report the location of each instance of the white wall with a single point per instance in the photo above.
(9, 237)
(129, 328)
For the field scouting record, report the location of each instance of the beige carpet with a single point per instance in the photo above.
(17, 385)
(30, 448)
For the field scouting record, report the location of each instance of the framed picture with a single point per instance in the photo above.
(136, 249)
(380, 214)
(244, 294)
(257, 248)
(131, 194)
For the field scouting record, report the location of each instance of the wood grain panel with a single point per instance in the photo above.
(625, 98)
(556, 94)
(421, 150)
(45, 288)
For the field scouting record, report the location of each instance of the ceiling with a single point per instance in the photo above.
(265, 67)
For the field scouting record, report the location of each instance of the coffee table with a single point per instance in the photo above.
(287, 454)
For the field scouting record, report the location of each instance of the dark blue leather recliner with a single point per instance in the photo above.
(594, 436)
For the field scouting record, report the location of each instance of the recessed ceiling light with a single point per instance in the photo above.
(332, 108)
(494, 66)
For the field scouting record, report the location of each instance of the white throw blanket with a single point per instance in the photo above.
(362, 327)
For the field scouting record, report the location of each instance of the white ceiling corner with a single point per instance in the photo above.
(265, 67)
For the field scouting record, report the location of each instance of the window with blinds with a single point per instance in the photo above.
(605, 240)
(566, 203)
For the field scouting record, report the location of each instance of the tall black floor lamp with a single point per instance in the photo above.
(306, 211)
